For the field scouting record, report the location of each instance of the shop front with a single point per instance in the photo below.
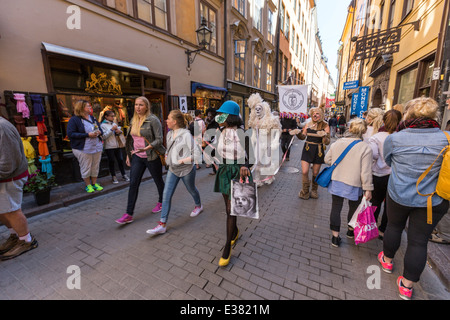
(207, 96)
(73, 75)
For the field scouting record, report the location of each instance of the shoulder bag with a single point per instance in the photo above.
(323, 179)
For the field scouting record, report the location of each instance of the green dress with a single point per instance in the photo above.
(225, 174)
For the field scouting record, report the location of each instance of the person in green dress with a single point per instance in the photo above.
(233, 165)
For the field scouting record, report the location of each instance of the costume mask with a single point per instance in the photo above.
(259, 110)
(221, 118)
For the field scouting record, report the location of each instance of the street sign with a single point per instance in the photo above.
(351, 85)
(373, 45)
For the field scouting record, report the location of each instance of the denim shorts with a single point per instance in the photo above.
(11, 195)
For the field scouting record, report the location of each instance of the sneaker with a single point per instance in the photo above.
(335, 241)
(159, 229)
(20, 247)
(9, 243)
(157, 208)
(98, 187)
(404, 292)
(387, 267)
(126, 218)
(90, 189)
(114, 180)
(125, 177)
(350, 234)
(196, 211)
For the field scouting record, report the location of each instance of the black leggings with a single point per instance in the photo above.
(380, 185)
(138, 166)
(418, 233)
(115, 154)
(336, 208)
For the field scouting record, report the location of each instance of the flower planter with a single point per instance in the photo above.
(42, 197)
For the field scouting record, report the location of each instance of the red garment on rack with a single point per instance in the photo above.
(42, 147)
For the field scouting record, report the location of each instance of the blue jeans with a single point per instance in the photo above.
(169, 189)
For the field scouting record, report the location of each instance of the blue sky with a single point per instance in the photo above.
(331, 15)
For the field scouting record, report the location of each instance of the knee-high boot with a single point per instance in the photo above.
(314, 187)
(304, 193)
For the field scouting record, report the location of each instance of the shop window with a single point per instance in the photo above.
(425, 81)
(407, 85)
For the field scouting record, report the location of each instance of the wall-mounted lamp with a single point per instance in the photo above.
(203, 38)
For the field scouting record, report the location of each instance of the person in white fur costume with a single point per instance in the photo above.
(266, 131)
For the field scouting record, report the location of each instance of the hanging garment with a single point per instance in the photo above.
(43, 148)
(38, 108)
(46, 166)
(42, 129)
(20, 125)
(30, 154)
(22, 105)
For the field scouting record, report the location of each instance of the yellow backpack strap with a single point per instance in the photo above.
(430, 195)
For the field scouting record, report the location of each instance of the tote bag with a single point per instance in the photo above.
(244, 199)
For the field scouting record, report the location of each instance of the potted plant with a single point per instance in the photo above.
(40, 185)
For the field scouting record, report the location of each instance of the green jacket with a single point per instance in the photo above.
(151, 130)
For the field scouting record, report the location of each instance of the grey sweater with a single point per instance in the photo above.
(12, 156)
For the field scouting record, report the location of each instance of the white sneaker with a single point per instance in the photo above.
(114, 180)
(196, 211)
(159, 229)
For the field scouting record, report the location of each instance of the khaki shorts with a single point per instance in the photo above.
(89, 163)
(11, 194)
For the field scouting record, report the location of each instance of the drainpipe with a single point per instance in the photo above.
(225, 47)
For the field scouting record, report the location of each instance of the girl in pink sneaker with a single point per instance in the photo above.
(145, 136)
(180, 159)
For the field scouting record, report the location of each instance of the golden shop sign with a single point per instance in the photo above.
(102, 85)
(383, 42)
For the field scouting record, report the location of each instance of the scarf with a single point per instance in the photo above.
(420, 123)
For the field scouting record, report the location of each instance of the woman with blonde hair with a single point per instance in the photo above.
(85, 133)
(351, 178)
(374, 122)
(180, 159)
(409, 152)
(316, 134)
(142, 142)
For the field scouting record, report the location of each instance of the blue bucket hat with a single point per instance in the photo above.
(230, 107)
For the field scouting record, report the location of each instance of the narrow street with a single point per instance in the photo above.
(286, 255)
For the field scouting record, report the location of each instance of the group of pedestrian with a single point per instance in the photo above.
(390, 151)
(396, 150)
(182, 150)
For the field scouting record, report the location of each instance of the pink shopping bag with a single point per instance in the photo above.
(366, 226)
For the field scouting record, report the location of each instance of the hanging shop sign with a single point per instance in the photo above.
(385, 42)
(100, 84)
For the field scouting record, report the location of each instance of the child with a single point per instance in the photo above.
(232, 153)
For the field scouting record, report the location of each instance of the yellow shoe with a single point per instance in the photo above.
(235, 239)
(224, 262)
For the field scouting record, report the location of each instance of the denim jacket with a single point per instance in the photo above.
(409, 153)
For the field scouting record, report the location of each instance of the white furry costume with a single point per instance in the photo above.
(266, 131)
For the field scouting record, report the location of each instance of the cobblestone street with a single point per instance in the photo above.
(284, 255)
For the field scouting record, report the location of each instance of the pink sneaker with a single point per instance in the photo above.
(157, 208)
(196, 211)
(404, 292)
(126, 218)
(387, 267)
